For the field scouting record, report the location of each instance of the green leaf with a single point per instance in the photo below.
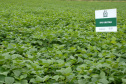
(95, 75)
(113, 42)
(9, 80)
(17, 83)
(38, 79)
(70, 77)
(2, 77)
(72, 49)
(56, 77)
(113, 38)
(82, 81)
(68, 70)
(67, 64)
(11, 45)
(32, 80)
(86, 76)
(45, 78)
(104, 81)
(123, 81)
(94, 80)
(102, 74)
(6, 55)
(14, 56)
(58, 52)
(24, 82)
(111, 79)
(72, 57)
(80, 59)
(4, 73)
(17, 72)
(23, 76)
(65, 71)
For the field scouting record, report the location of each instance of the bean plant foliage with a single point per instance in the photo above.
(54, 42)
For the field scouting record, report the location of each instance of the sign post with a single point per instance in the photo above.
(106, 20)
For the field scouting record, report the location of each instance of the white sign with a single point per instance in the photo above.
(106, 20)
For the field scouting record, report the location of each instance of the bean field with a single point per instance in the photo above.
(55, 42)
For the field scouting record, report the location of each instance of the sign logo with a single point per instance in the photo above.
(105, 13)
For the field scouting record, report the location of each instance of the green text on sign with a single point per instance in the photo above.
(104, 22)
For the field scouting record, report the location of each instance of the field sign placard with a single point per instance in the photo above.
(106, 20)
